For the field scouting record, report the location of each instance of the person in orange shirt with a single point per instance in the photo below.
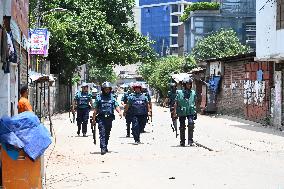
(24, 104)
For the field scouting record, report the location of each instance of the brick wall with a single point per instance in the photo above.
(230, 99)
(246, 89)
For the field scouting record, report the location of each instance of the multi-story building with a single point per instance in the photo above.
(236, 14)
(270, 48)
(13, 39)
(160, 20)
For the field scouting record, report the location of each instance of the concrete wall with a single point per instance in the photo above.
(269, 41)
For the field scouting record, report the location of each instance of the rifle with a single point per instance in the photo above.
(74, 117)
(175, 126)
(93, 127)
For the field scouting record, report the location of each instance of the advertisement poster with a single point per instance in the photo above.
(39, 41)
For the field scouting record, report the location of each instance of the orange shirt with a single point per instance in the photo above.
(24, 105)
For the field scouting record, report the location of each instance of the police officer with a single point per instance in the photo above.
(124, 99)
(171, 101)
(185, 108)
(104, 107)
(147, 94)
(83, 102)
(139, 108)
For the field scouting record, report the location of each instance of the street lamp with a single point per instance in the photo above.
(40, 15)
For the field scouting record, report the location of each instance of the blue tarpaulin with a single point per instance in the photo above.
(26, 132)
(214, 83)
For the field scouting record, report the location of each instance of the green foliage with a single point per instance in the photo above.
(100, 75)
(75, 79)
(220, 44)
(199, 6)
(94, 33)
(158, 74)
(189, 64)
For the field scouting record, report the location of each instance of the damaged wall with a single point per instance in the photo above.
(246, 89)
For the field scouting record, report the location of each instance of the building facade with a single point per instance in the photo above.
(160, 20)
(238, 15)
(270, 48)
(14, 54)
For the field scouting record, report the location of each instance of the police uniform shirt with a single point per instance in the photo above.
(83, 99)
(97, 101)
(132, 96)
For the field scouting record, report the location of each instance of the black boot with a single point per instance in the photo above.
(103, 151)
(182, 136)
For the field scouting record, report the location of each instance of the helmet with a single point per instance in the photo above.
(136, 85)
(106, 85)
(84, 85)
(187, 80)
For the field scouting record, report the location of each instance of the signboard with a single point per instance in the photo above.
(39, 41)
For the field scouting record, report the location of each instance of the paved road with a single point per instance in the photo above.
(232, 154)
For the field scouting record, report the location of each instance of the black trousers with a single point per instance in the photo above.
(82, 119)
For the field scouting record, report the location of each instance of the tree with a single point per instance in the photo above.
(220, 44)
(98, 75)
(93, 32)
(158, 74)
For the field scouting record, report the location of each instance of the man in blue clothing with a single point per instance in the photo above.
(124, 99)
(139, 108)
(83, 102)
(171, 101)
(104, 107)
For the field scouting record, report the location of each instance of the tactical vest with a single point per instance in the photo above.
(106, 105)
(139, 105)
(186, 106)
(83, 100)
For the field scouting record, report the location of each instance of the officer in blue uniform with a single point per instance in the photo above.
(83, 102)
(171, 101)
(139, 108)
(147, 94)
(104, 107)
(124, 99)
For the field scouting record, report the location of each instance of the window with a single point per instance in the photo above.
(174, 29)
(280, 15)
(175, 19)
(174, 40)
(174, 8)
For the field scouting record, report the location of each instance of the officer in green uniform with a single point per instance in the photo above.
(139, 108)
(83, 102)
(105, 105)
(185, 108)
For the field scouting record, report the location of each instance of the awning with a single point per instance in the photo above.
(35, 76)
(180, 77)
